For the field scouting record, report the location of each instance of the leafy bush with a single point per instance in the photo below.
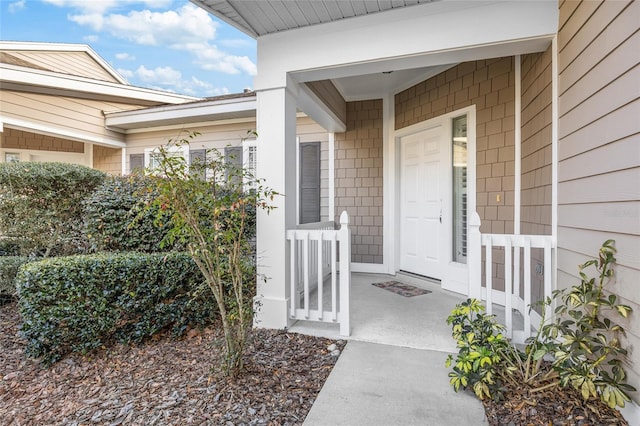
(41, 206)
(582, 340)
(482, 349)
(118, 216)
(79, 303)
(9, 266)
(9, 247)
(214, 218)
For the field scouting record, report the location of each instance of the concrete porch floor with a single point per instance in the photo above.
(380, 316)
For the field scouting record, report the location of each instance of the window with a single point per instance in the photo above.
(250, 163)
(309, 182)
(459, 156)
(12, 157)
(152, 156)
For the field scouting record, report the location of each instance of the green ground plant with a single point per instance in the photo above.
(581, 344)
(213, 212)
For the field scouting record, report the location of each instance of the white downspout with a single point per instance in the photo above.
(518, 148)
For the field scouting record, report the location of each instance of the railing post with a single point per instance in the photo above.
(345, 274)
(474, 257)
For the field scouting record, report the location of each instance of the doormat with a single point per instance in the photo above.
(402, 289)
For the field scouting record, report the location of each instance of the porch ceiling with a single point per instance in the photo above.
(261, 17)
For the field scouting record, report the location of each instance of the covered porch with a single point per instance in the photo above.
(382, 316)
(430, 128)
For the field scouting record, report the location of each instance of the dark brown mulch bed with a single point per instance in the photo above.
(555, 407)
(164, 381)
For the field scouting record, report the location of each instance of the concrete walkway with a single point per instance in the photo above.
(375, 384)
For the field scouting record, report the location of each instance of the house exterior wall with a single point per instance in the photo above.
(220, 136)
(358, 179)
(19, 140)
(490, 86)
(536, 158)
(74, 63)
(108, 160)
(80, 116)
(599, 149)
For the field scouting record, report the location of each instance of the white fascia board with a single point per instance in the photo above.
(191, 111)
(33, 77)
(45, 129)
(413, 33)
(63, 47)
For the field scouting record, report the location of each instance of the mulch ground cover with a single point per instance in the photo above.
(164, 382)
(553, 407)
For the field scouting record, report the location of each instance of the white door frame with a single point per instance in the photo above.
(456, 276)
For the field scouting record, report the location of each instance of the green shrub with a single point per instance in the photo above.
(583, 340)
(117, 216)
(41, 206)
(9, 247)
(79, 303)
(9, 266)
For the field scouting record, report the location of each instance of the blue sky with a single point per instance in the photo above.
(162, 44)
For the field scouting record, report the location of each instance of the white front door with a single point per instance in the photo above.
(423, 189)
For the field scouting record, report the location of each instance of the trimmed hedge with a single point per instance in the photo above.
(41, 206)
(79, 303)
(118, 218)
(9, 266)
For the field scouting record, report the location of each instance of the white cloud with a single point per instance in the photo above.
(91, 38)
(187, 24)
(125, 73)
(189, 29)
(101, 6)
(16, 6)
(125, 56)
(169, 79)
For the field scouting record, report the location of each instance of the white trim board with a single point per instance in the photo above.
(63, 47)
(62, 82)
(57, 132)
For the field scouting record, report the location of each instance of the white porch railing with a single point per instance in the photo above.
(314, 259)
(511, 298)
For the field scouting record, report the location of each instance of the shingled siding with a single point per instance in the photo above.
(108, 160)
(490, 86)
(358, 178)
(18, 139)
(599, 150)
(536, 158)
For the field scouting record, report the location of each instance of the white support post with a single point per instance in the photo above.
(276, 128)
(474, 258)
(345, 274)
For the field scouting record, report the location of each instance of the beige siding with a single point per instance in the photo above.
(219, 136)
(107, 159)
(359, 178)
(18, 139)
(490, 86)
(599, 148)
(73, 63)
(75, 115)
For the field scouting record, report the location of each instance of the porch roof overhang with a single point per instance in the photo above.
(231, 107)
(381, 48)
(259, 17)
